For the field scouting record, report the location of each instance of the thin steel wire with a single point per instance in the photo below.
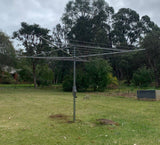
(86, 42)
(54, 58)
(82, 51)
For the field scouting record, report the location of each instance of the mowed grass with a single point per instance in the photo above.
(24, 118)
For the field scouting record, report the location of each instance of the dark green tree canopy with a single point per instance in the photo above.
(98, 74)
(143, 77)
(125, 26)
(128, 28)
(152, 45)
(7, 52)
(97, 23)
(87, 20)
(31, 38)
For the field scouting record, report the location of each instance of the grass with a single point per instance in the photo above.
(24, 118)
(15, 85)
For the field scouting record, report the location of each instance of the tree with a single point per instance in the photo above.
(73, 11)
(44, 75)
(87, 20)
(102, 22)
(125, 26)
(142, 77)
(7, 52)
(152, 45)
(125, 65)
(60, 69)
(147, 25)
(81, 80)
(98, 74)
(128, 28)
(25, 69)
(34, 44)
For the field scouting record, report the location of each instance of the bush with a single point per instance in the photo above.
(142, 77)
(44, 75)
(113, 81)
(94, 75)
(81, 81)
(67, 83)
(25, 74)
(98, 74)
(6, 78)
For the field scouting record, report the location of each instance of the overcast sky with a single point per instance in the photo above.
(47, 13)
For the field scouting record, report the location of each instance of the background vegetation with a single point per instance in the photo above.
(85, 23)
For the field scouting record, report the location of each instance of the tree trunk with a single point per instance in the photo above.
(110, 40)
(157, 79)
(34, 75)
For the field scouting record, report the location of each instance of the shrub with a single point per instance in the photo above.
(6, 78)
(81, 81)
(113, 81)
(67, 83)
(44, 75)
(25, 74)
(94, 75)
(98, 74)
(142, 77)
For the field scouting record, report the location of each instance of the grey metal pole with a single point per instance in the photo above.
(74, 86)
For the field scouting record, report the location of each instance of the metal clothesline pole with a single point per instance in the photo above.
(74, 86)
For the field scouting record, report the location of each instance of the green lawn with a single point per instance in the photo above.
(24, 118)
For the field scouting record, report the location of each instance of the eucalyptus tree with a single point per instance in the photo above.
(128, 31)
(31, 37)
(95, 21)
(147, 25)
(125, 27)
(83, 21)
(129, 28)
(87, 20)
(102, 22)
(152, 45)
(7, 52)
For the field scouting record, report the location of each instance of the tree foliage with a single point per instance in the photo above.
(128, 28)
(87, 20)
(142, 77)
(25, 74)
(31, 37)
(98, 74)
(125, 26)
(82, 82)
(152, 45)
(7, 52)
(95, 75)
(94, 22)
(44, 75)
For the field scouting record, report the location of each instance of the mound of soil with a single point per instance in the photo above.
(59, 116)
(63, 118)
(107, 122)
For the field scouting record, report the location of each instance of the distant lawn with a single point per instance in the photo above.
(16, 85)
(24, 118)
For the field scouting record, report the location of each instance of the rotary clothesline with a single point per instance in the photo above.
(76, 52)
